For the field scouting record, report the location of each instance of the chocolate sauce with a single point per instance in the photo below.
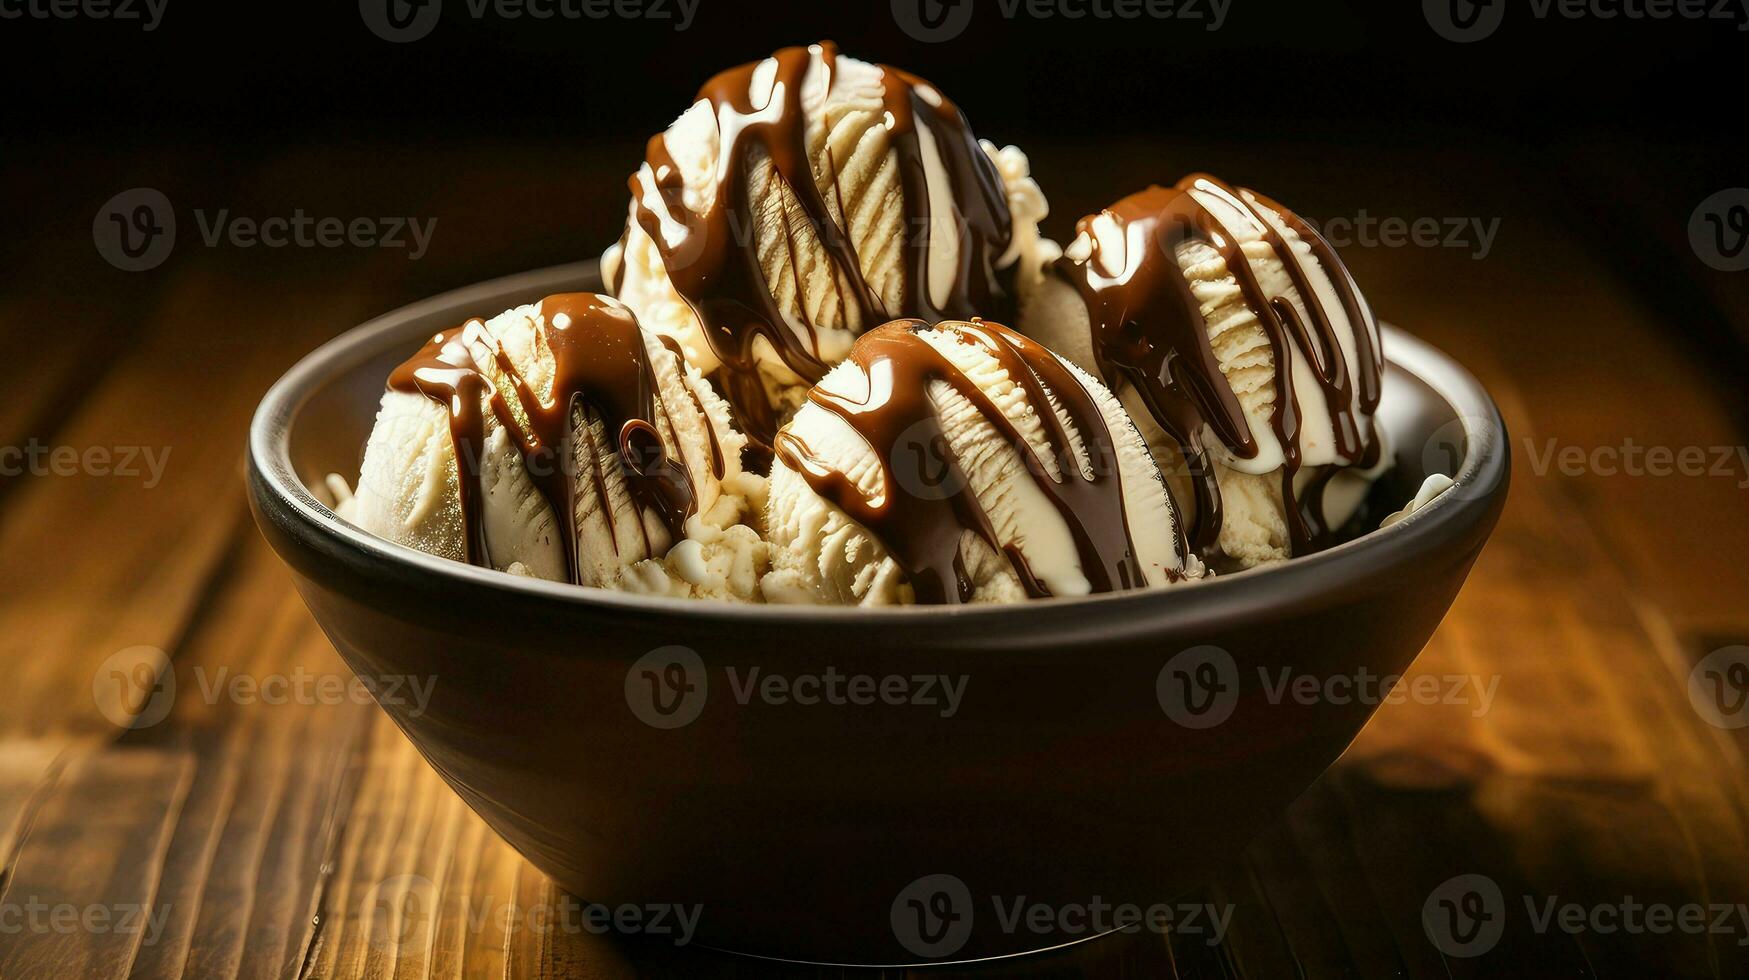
(712, 257)
(919, 516)
(444, 372)
(601, 368)
(1149, 330)
(981, 215)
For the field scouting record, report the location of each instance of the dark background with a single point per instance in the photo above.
(1321, 104)
(311, 71)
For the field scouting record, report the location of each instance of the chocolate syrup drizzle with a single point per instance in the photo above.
(713, 261)
(600, 366)
(1148, 329)
(922, 530)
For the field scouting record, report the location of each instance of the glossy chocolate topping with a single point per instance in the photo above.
(601, 368)
(1149, 330)
(712, 257)
(919, 516)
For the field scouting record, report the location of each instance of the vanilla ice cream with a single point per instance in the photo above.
(562, 441)
(804, 199)
(1243, 349)
(964, 463)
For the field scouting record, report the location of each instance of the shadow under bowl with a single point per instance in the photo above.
(857, 786)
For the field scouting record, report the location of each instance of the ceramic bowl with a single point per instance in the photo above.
(859, 786)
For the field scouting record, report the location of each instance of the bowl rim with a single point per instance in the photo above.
(277, 490)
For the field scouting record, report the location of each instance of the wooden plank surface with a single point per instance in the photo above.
(310, 839)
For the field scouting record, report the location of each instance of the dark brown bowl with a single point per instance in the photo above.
(1111, 749)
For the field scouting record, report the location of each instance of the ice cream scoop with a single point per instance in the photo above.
(963, 462)
(561, 440)
(804, 199)
(1243, 348)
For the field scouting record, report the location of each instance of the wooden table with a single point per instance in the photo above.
(262, 835)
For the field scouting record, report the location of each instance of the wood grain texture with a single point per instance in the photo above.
(309, 838)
